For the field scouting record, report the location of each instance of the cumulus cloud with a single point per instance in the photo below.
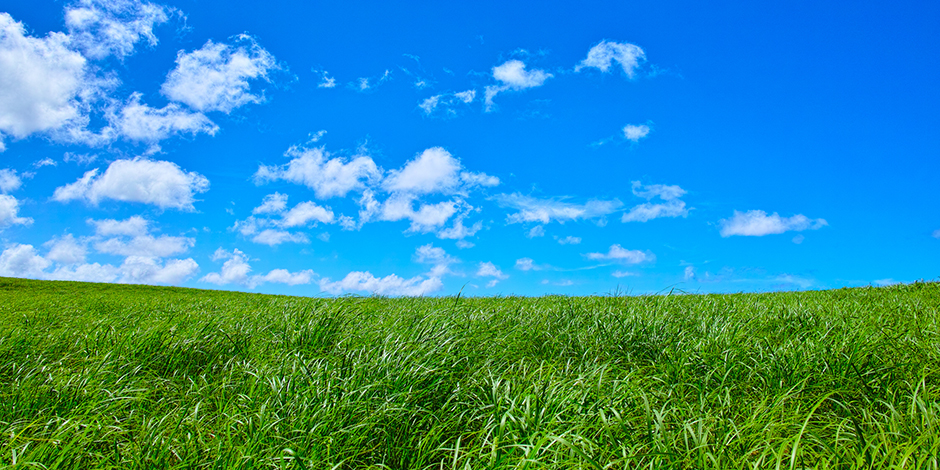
(605, 53)
(547, 210)
(9, 212)
(146, 270)
(489, 269)
(437, 257)
(689, 273)
(146, 246)
(671, 206)
(132, 226)
(46, 86)
(139, 122)
(22, 261)
(620, 254)
(66, 250)
(364, 281)
(271, 204)
(273, 237)
(634, 133)
(9, 181)
(25, 261)
(327, 177)
(936, 234)
(216, 77)
(459, 231)
(435, 170)
(304, 213)
(513, 75)
(235, 270)
(427, 218)
(535, 232)
(757, 223)
(161, 183)
(112, 27)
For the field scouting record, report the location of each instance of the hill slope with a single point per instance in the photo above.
(110, 376)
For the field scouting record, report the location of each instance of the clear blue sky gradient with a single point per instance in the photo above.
(822, 110)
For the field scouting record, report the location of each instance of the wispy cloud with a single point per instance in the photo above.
(757, 223)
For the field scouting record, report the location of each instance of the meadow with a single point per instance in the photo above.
(117, 376)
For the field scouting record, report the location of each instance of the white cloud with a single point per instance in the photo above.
(635, 133)
(328, 177)
(364, 281)
(459, 231)
(689, 273)
(66, 250)
(9, 212)
(528, 264)
(325, 80)
(672, 207)
(447, 103)
(757, 223)
(274, 237)
(489, 269)
(363, 83)
(619, 274)
(156, 182)
(132, 226)
(429, 104)
(602, 56)
(513, 75)
(662, 191)
(104, 27)
(427, 218)
(45, 85)
(216, 77)
(139, 122)
(271, 204)
(472, 179)
(146, 270)
(433, 171)
(537, 231)
(236, 270)
(885, 282)
(798, 239)
(648, 211)
(45, 162)
(466, 96)
(936, 234)
(22, 261)
(283, 276)
(622, 255)
(303, 213)
(80, 158)
(569, 240)
(88, 272)
(546, 210)
(146, 246)
(9, 181)
(441, 261)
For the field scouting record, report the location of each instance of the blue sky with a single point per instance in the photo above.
(425, 148)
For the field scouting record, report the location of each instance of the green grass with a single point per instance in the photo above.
(108, 376)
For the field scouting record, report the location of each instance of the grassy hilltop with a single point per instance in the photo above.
(110, 376)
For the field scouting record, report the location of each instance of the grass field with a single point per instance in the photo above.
(110, 376)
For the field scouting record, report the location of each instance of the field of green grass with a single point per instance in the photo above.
(110, 376)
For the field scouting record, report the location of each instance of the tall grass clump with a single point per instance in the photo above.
(107, 376)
